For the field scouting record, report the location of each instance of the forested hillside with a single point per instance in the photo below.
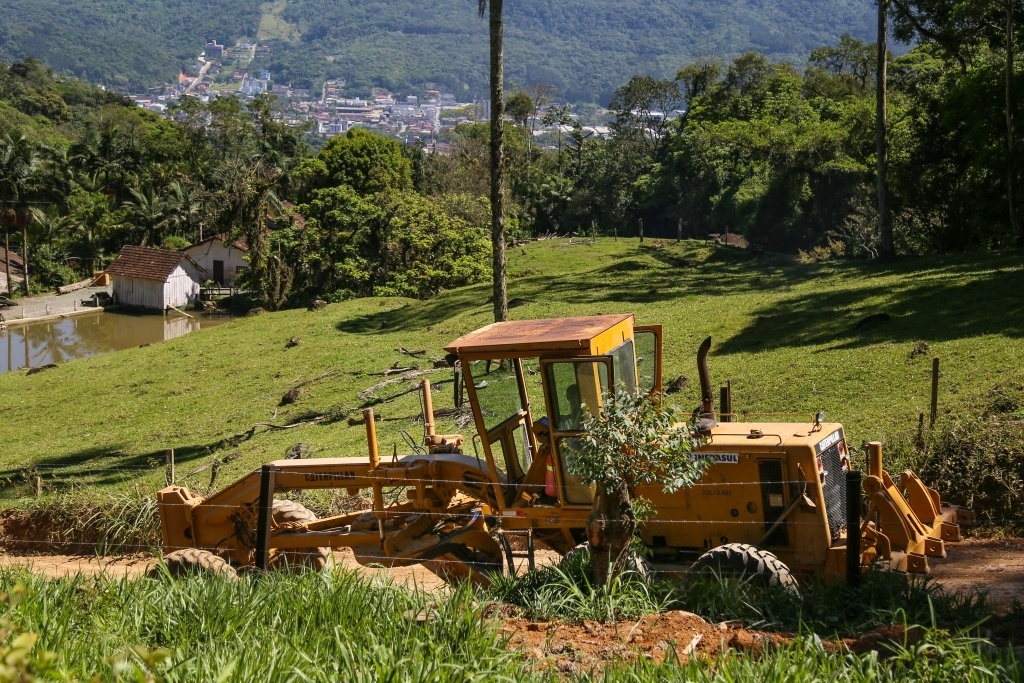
(135, 43)
(584, 48)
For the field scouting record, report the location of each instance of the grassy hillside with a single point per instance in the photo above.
(584, 48)
(784, 333)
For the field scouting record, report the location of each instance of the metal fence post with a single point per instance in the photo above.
(263, 523)
(853, 529)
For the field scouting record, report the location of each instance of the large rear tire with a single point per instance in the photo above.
(193, 561)
(742, 560)
(285, 511)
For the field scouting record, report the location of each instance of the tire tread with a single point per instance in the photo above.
(745, 560)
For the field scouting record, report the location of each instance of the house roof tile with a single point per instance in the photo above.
(16, 262)
(147, 264)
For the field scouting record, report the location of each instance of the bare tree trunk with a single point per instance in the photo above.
(498, 161)
(7, 251)
(610, 529)
(24, 250)
(881, 138)
(1011, 170)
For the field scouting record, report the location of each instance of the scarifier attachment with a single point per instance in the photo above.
(907, 523)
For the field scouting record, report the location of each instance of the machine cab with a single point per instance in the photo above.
(529, 383)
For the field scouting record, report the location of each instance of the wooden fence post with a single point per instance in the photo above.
(39, 486)
(679, 230)
(935, 388)
(169, 454)
(640, 225)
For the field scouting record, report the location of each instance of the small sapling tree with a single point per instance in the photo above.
(634, 440)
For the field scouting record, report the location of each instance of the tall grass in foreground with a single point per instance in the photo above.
(338, 626)
(564, 592)
(938, 658)
(322, 627)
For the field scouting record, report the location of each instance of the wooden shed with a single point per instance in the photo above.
(155, 279)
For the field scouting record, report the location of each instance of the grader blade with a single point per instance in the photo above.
(914, 521)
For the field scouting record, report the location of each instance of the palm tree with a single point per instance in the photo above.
(187, 205)
(150, 212)
(18, 159)
(497, 156)
(242, 209)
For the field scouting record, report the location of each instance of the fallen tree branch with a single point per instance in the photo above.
(411, 374)
(327, 374)
(245, 436)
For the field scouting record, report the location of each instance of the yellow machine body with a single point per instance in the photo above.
(777, 486)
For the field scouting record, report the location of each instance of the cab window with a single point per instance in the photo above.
(501, 407)
(570, 385)
(625, 366)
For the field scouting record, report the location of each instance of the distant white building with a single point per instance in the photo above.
(254, 86)
(222, 261)
(155, 279)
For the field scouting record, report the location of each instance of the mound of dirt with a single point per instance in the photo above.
(573, 648)
(22, 531)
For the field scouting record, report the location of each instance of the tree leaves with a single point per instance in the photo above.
(637, 440)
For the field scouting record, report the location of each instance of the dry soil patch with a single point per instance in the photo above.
(992, 565)
(574, 648)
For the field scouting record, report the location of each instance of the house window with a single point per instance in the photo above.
(241, 269)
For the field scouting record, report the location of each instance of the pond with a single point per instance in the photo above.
(82, 336)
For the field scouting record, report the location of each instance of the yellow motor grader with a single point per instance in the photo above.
(774, 501)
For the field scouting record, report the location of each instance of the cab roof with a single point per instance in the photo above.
(528, 338)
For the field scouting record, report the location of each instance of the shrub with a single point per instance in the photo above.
(978, 463)
(175, 243)
(49, 268)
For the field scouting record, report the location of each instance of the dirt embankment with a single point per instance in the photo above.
(575, 648)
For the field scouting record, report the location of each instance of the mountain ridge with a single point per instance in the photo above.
(585, 48)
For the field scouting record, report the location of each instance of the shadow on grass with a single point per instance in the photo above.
(930, 299)
(928, 304)
(97, 466)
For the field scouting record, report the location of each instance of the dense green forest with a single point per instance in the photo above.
(584, 48)
(130, 43)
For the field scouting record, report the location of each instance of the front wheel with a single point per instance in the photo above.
(285, 511)
(744, 561)
(193, 562)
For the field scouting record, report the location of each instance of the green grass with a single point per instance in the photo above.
(273, 26)
(338, 626)
(564, 592)
(783, 333)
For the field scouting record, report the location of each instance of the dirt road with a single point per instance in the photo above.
(992, 565)
(56, 566)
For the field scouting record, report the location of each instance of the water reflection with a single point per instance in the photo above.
(90, 335)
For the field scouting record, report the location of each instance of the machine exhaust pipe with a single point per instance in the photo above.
(707, 397)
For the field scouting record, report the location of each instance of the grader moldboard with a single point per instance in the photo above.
(773, 501)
